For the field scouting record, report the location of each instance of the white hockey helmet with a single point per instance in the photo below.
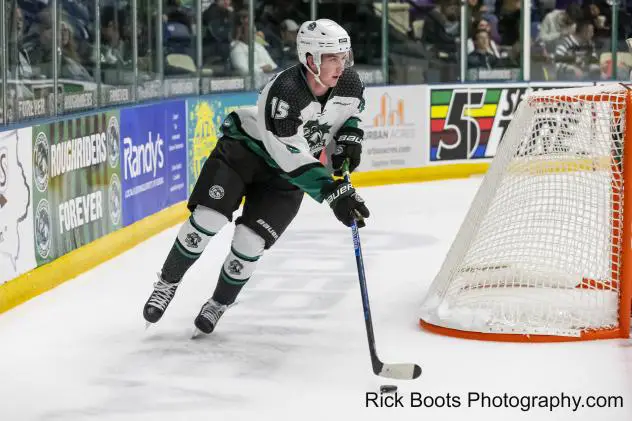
(322, 36)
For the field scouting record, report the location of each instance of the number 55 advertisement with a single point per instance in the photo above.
(468, 122)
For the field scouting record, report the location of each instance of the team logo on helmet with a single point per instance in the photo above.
(311, 26)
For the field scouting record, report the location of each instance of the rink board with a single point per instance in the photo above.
(78, 261)
(411, 135)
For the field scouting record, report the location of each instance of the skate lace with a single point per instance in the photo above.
(212, 311)
(163, 294)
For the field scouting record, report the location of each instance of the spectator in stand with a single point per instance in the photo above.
(115, 69)
(70, 66)
(576, 56)
(283, 50)
(274, 12)
(560, 23)
(126, 34)
(480, 11)
(481, 57)
(239, 50)
(111, 46)
(38, 42)
(482, 25)
(442, 26)
(509, 22)
(18, 58)
(592, 13)
(544, 7)
(176, 12)
(218, 27)
(440, 38)
(476, 7)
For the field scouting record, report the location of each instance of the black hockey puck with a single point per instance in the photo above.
(388, 388)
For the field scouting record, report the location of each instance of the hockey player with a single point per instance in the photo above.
(269, 154)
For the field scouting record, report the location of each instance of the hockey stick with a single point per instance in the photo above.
(402, 371)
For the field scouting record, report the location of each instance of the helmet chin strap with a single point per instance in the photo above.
(316, 75)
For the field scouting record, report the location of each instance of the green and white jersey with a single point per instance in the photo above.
(289, 127)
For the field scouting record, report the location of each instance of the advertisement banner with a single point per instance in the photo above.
(205, 116)
(153, 158)
(76, 183)
(468, 122)
(17, 254)
(392, 121)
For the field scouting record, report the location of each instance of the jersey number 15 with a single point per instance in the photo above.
(279, 109)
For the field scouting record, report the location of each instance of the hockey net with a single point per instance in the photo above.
(540, 255)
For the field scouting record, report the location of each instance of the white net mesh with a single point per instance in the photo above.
(538, 252)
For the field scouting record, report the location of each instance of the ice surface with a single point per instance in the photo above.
(294, 348)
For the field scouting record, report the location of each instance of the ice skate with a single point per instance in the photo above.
(208, 317)
(159, 300)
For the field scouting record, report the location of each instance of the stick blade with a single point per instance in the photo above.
(401, 371)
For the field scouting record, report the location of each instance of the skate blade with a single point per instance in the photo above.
(147, 325)
(197, 333)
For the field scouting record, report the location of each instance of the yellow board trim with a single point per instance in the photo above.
(70, 265)
(416, 175)
(534, 166)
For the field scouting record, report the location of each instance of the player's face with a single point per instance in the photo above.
(331, 68)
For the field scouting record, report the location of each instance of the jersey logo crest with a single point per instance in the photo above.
(315, 134)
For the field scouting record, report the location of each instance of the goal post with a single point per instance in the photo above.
(541, 254)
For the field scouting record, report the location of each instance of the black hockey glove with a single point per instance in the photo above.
(346, 203)
(348, 146)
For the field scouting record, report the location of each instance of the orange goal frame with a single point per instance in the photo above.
(621, 253)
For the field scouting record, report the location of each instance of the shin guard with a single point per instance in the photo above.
(193, 237)
(245, 251)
